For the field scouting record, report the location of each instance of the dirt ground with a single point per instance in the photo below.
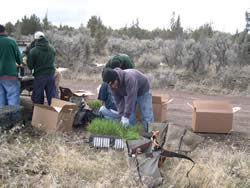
(222, 160)
(179, 112)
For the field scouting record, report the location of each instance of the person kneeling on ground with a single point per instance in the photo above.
(130, 87)
(108, 110)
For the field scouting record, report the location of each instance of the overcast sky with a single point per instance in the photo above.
(225, 15)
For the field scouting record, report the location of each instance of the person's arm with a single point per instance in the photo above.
(103, 93)
(130, 99)
(19, 58)
(119, 102)
(30, 60)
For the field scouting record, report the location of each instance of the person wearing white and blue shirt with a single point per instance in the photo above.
(108, 110)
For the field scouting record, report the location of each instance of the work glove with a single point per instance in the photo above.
(124, 121)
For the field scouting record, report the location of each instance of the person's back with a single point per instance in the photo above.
(41, 59)
(9, 57)
(132, 83)
(122, 61)
(130, 87)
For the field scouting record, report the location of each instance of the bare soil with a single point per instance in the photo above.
(179, 112)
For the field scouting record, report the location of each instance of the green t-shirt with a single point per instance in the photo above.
(9, 56)
(41, 58)
(126, 61)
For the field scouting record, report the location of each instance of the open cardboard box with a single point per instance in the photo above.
(67, 93)
(58, 116)
(82, 93)
(159, 104)
(212, 116)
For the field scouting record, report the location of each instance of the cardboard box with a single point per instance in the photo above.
(83, 93)
(67, 93)
(160, 109)
(212, 116)
(58, 116)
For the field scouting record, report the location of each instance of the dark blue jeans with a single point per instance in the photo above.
(145, 106)
(44, 83)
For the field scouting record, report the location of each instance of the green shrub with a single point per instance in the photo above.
(113, 128)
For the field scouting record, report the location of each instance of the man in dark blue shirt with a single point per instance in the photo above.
(108, 110)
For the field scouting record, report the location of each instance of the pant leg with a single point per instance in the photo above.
(2, 93)
(12, 96)
(132, 117)
(145, 107)
(108, 114)
(10, 92)
(50, 88)
(38, 90)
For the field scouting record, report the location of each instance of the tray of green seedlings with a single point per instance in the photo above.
(105, 132)
(94, 104)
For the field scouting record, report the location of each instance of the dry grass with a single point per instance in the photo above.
(30, 158)
(233, 81)
(217, 165)
(33, 159)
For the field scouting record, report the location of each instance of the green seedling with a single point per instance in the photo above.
(113, 128)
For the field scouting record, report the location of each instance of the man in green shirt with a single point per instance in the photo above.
(41, 59)
(9, 57)
(123, 61)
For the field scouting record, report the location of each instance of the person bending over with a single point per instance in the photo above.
(130, 87)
